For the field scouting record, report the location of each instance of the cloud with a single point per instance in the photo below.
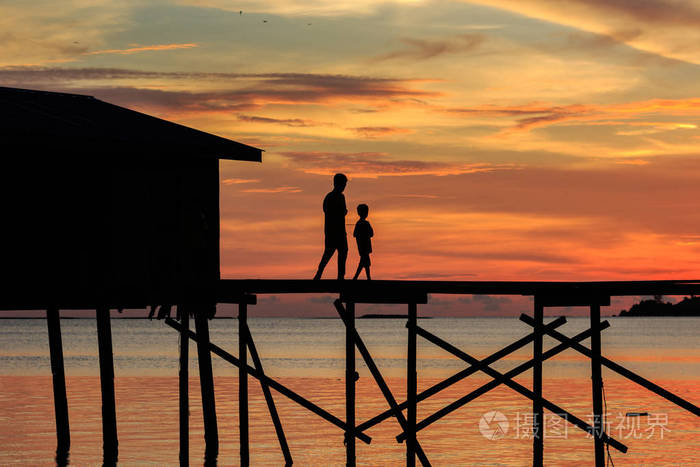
(379, 131)
(664, 27)
(142, 48)
(304, 8)
(424, 49)
(40, 33)
(322, 299)
(375, 164)
(293, 122)
(532, 115)
(486, 302)
(238, 181)
(226, 91)
(279, 189)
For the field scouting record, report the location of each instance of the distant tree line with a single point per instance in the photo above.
(689, 306)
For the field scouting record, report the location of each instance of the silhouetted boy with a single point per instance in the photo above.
(334, 227)
(363, 234)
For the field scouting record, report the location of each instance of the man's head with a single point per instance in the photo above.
(339, 182)
(362, 211)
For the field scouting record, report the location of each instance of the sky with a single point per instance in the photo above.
(492, 140)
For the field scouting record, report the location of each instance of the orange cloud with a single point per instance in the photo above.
(142, 48)
(533, 115)
(280, 189)
(375, 164)
(378, 131)
(238, 181)
(293, 122)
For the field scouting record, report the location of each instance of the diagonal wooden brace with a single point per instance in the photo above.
(619, 369)
(285, 391)
(268, 398)
(500, 378)
(395, 410)
(460, 375)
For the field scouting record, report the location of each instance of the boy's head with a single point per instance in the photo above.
(340, 181)
(362, 210)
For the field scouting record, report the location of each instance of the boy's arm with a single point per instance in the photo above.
(369, 228)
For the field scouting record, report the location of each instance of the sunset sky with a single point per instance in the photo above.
(492, 140)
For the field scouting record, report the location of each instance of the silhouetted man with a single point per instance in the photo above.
(334, 227)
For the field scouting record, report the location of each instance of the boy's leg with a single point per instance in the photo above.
(359, 269)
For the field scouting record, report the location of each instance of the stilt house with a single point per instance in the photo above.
(102, 205)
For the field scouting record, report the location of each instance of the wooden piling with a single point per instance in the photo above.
(411, 385)
(537, 409)
(597, 387)
(243, 383)
(109, 415)
(206, 382)
(184, 386)
(60, 400)
(350, 384)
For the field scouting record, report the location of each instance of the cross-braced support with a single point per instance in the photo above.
(507, 380)
(282, 389)
(619, 369)
(395, 409)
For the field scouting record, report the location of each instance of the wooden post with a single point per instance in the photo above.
(184, 377)
(411, 385)
(60, 400)
(597, 387)
(109, 415)
(537, 409)
(243, 382)
(206, 382)
(350, 384)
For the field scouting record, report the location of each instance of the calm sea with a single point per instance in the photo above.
(307, 356)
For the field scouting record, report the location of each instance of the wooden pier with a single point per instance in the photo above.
(593, 295)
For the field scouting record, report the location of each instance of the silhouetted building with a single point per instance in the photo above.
(102, 204)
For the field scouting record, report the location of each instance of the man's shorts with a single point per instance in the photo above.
(339, 243)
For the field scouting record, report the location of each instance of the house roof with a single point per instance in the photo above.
(44, 113)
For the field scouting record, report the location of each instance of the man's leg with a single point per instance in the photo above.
(327, 253)
(342, 257)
